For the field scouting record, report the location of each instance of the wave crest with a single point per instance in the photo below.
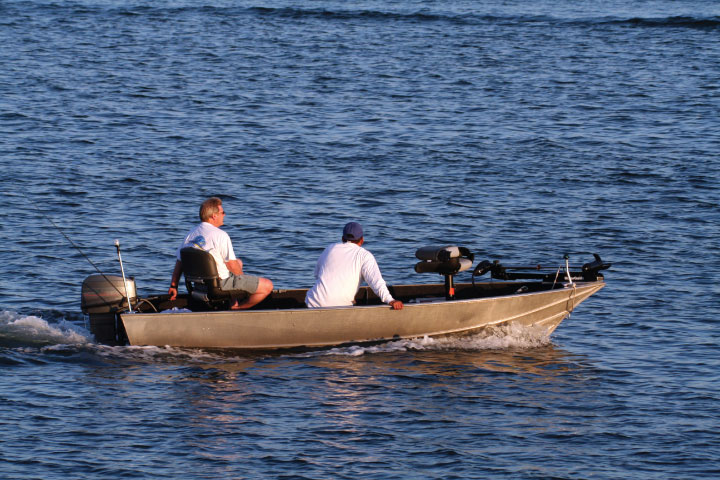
(18, 330)
(486, 19)
(162, 13)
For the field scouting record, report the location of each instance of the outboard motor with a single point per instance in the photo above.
(103, 297)
(445, 260)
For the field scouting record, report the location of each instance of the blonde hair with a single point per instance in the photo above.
(209, 207)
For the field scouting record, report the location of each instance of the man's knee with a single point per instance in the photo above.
(265, 286)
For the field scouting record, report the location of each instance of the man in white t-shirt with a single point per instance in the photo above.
(212, 239)
(340, 269)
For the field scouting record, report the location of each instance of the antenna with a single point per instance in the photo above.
(127, 296)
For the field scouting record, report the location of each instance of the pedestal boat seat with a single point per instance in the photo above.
(445, 260)
(203, 282)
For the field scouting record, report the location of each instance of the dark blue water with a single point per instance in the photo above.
(521, 130)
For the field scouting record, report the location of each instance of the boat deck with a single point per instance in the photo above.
(290, 299)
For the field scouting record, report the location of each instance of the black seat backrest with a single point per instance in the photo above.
(202, 279)
(198, 264)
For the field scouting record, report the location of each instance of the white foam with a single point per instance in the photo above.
(31, 330)
(492, 338)
(166, 354)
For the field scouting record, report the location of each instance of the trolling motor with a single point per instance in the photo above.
(445, 260)
(588, 272)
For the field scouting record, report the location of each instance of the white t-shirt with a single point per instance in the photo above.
(338, 273)
(213, 240)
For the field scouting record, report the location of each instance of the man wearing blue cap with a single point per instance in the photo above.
(341, 268)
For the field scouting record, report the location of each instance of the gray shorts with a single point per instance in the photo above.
(246, 283)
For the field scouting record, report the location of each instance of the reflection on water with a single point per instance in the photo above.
(348, 378)
(329, 410)
(483, 124)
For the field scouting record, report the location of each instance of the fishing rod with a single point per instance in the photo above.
(47, 217)
(117, 244)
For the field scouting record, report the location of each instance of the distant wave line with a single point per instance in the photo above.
(711, 22)
(465, 18)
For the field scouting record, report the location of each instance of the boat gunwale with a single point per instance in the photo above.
(566, 287)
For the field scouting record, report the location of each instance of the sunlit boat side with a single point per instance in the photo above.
(302, 327)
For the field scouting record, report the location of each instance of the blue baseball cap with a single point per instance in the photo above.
(352, 231)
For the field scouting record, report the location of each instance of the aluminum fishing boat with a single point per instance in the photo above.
(528, 296)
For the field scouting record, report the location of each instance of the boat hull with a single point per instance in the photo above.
(311, 328)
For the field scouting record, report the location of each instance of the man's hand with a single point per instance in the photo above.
(396, 305)
(175, 281)
(235, 266)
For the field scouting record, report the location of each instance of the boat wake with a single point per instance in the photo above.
(492, 338)
(24, 334)
(17, 330)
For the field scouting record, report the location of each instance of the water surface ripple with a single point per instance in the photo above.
(521, 130)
